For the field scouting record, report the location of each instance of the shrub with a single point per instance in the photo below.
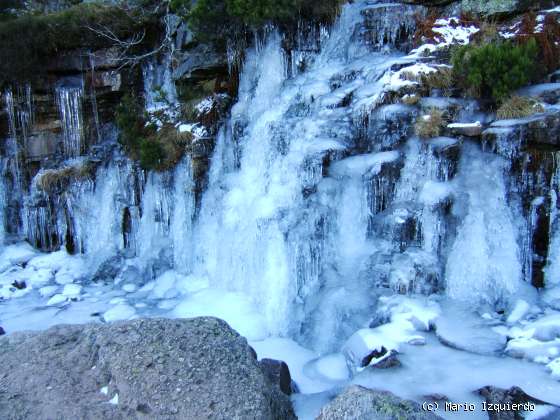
(430, 124)
(151, 154)
(495, 70)
(518, 107)
(217, 17)
(154, 149)
(132, 125)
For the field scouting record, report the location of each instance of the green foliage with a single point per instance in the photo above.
(155, 149)
(495, 70)
(217, 17)
(258, 11)
(130, 121)
(29, 41)
(151, 154)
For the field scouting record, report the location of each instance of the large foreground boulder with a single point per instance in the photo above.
(357, 403)
(142, 369)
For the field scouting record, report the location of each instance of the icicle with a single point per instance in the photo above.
(93, 94)
(69, 101)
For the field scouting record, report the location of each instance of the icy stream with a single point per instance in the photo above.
(327, 231)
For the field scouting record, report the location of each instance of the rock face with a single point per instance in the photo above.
(361, 403)
(143, 369)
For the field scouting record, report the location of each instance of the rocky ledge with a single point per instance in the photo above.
(141, 369)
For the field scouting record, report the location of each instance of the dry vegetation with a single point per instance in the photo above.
(53, 180)
(430, 125)
(518, 107)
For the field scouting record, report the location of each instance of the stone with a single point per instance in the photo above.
(279, 373)
(200, 62)
(2, 331)
(514, 395)
(357, 403)
(538, 131)
(503, 7)
(390, 360)
(467, 130)
(108, 270)
(146, 368)
(41, 145)
(19, 284)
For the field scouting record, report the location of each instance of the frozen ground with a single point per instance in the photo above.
(473, 356)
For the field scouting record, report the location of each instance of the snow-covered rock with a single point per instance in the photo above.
(72, 290)
(519, 311)
(460, 328)
(57, 299)
(466, 129)
(119, 312)
(164, 286)
(554, 368)
(421, 312)
(48, 291)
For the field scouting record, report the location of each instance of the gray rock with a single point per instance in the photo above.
(540, 130)
(514, 395)
(390, 361)
(198, 62)
(360, 403)
(503, 7)
(160, 369)
(279, 374)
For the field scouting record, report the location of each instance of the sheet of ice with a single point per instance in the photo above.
(534, 350)
(296, 357)
(363, 164)
(554, 368)
(329, 368)
(460, 328)
(437, 369)
(434, 192)
(236, 309)
(483, 265)
(164, 286)
(17, 254)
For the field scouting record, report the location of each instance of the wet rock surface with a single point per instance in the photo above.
(156, 369)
